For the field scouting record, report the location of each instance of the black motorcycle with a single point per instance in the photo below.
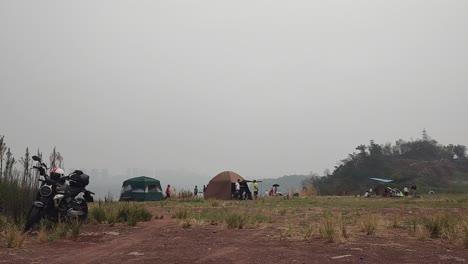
(57, 197)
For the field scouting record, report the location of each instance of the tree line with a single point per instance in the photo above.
(394, 161)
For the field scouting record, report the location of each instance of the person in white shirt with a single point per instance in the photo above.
(238, 194)
(406, 191)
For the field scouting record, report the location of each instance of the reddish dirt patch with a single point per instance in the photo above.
(165, 241)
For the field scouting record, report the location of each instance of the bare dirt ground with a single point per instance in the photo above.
(165, 241)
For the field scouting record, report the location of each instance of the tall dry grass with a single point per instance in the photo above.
(117, 212)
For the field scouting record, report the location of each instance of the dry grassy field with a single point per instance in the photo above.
(431, 229)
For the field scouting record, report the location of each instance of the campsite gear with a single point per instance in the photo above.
(381, 180)
(141, 189)
(56, 199)
(222, 186)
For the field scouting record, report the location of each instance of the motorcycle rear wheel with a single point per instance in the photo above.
(33, 218)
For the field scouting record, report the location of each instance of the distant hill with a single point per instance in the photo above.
(287, 183)
(425, 163)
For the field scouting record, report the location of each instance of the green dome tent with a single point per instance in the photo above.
(141, 189)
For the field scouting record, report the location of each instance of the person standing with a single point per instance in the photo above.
(168, 191)
(237, 188)
(255, 186)
(195, 191)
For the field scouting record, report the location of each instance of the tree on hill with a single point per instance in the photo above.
(352, 175)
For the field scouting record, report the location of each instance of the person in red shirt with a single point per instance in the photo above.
(168, 191)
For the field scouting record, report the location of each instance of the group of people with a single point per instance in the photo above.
(242, 191)
(195, 190)
(274, 191)
(394, 192)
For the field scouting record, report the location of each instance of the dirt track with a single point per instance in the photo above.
(165, 241)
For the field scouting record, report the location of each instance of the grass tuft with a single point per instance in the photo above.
(370, 224)
(14, 237)
(236, 220)
(327, 227)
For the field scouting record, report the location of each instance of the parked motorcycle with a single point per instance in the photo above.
(57, 198)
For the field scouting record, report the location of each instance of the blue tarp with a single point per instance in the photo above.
(381, 180)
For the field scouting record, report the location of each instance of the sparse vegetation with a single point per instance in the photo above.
(343, 228)
(236, 220)
(187, 223)
(215, 203)
(395, 221)
(327, 227)
(283, 211)
(328, 218)
(183, 194)
(287, 232)
(309, 231)
(18, 184)
(182, 214)
(370, 223)
(117, 212)
(464, 227)
(14, 236)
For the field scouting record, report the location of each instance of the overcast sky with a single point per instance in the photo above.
(263, 88)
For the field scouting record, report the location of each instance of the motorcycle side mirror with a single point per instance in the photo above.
(36, 158)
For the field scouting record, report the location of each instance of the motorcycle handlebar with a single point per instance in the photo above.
(47, 181)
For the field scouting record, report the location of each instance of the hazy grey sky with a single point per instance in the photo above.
(263, 88)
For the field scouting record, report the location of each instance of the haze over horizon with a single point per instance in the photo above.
(263, 88)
